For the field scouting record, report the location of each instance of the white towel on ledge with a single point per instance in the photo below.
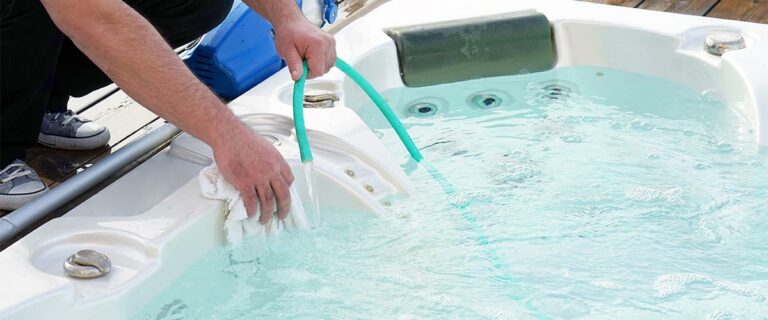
(237, 224)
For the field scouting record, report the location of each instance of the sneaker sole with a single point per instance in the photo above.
(85, 143)
(13, 202)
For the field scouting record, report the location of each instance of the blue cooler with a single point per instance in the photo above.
(240, 53)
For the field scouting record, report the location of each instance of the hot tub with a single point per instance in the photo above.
(623, 183)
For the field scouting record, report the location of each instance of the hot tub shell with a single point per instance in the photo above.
(153, 222)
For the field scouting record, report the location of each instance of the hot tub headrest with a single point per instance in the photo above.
(489, 46)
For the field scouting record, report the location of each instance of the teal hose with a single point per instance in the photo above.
(298, 112)
(383, 107)
(298, 117)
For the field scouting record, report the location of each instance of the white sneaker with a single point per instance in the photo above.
(66, 130)
(19, 184)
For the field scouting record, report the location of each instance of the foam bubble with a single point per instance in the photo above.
(607, 284)
(518, 154)
(731, 221)
(669, 284)
(645, 194)
(719, 315)
(459, 201)
(514, 167)
(742, 290)
(518, 173)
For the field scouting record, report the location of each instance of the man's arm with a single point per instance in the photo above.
(134, 55)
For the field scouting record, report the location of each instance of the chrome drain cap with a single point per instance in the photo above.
(86, 264)
(719, 42)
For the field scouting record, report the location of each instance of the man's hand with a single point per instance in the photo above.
(296, 38)
(295, 41)
(251, 164)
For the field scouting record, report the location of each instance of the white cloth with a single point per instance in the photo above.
(237, 224)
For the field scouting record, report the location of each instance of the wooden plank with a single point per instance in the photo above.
(622, 3)
(54, 166)
(744, 10)
(123, 116)
(351, 10)
(139, 133)
(80, 104)
(692, 7)
(348, 7)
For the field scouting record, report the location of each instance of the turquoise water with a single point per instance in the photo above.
(587, 193)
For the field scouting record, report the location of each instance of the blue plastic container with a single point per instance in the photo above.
(236, 55)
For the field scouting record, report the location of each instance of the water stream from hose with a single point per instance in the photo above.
(314, 212)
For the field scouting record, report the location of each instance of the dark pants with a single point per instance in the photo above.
(41, 68)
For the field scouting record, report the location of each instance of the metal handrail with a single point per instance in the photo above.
(20, 219)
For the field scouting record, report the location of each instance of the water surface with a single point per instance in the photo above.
(587, 193)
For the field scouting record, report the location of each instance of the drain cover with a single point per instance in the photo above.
(718, 42)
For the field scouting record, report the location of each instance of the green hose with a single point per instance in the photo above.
(298, 117)
(298, 112)
(383, 107)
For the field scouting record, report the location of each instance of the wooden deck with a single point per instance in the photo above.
(743, 10)
(127, 120)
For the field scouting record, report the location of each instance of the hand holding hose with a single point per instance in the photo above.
(302, 40)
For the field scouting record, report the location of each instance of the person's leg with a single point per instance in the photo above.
(29, 49)
(178, 21)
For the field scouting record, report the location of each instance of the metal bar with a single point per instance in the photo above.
(18, 220)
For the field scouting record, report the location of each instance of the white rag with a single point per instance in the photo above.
(237, 224)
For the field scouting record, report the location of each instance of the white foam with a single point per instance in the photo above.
(719, 315)
(645, 194)
(607, 284)
(669, 284)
